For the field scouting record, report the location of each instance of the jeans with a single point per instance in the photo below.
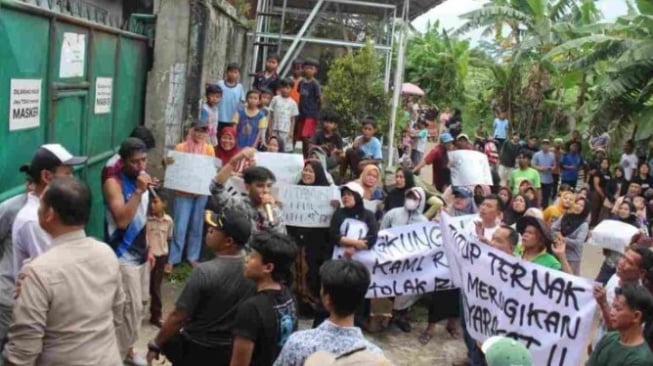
(189, 223)
(474, 354)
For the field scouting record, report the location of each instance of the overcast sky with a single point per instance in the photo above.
(448, 13)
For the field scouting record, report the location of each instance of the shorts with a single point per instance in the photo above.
(309, 127)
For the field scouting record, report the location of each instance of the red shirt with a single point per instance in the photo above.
(437, 157)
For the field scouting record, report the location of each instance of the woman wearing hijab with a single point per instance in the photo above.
(404, 181)
(446, 304)
(626, 213)
(353, 228)
(410, 213)
(314, 248)
(369, 180)
(274, 144)
(563, 204)
(505, 194)
(515, 211)
(226, 148)
(574, 229)
(188, 207)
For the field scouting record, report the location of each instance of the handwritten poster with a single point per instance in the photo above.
(103, 95)
(24, 104)
(469, 168)
(285, 167)
(190, 173)
(613, 235)
(406, 260)
(306, 206)
(73, 55)
(550, 311)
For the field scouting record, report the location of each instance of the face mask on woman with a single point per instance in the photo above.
(411, 204)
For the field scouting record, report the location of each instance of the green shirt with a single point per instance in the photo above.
(519, 175)
(544, 259)
(610, 352)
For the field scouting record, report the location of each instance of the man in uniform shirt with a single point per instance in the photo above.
(68, 298)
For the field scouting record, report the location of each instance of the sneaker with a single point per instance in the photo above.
(135, 360)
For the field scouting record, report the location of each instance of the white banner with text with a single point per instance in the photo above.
(550, 311)
(407, 260)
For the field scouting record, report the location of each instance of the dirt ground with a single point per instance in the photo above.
(401, 348)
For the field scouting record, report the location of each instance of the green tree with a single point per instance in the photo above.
(355, 90)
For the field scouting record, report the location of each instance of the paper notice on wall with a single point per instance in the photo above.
(469, 168)
(24, 104)
(73, 55)
(612, 234)
(190, 173)
(103, 95)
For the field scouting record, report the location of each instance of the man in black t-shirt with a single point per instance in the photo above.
(206, 308)
(266, 320)
(328, 139)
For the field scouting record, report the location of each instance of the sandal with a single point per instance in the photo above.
(425, 338)
(453, 332)
(167, 269)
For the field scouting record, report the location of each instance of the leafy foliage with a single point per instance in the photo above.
(356, 90)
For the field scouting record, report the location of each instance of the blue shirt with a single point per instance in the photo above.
(570, 160)
(544, 160)
(372, 149)
(231, 102)
(500, 128)
(247, 128)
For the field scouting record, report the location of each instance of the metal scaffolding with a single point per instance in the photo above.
(274, 34)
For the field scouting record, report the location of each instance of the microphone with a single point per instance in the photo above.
(269, 212)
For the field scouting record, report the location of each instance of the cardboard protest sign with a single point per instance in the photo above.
(550, 311)
(612, 234)
(190, 173)
(307, 206)
(469, 168)
(407, 260)
(286, 167)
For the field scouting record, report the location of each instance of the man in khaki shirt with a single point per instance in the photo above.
(69, 299)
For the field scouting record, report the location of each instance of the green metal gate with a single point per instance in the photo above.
(66, 80)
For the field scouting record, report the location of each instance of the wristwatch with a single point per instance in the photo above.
(152, 347)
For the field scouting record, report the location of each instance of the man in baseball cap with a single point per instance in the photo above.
(207, 306)
(50, 161)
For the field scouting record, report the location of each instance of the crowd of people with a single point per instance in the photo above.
(69, 299)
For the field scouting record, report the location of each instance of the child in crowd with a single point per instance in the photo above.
(328, 139)
(210, 112)
(159, 233)
(264, 106)
(233, 96)
(265, 321)
(283, 111)
(250, 122)
(366, 150)
(268, 79)
(310, 102)
(420, 135)
(297, 73)
(274, 144)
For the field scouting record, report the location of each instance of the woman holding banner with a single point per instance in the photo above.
(410, 213)
(313, 246)
(404, 181)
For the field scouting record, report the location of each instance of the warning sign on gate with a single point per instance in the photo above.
(24, 104)
(103, 95)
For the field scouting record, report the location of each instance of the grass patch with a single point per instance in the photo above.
(180, 273)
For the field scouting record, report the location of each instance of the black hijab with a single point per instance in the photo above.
(320, 176)
(511, 216)
(571, 222)
(397, 196)
(632, 218)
